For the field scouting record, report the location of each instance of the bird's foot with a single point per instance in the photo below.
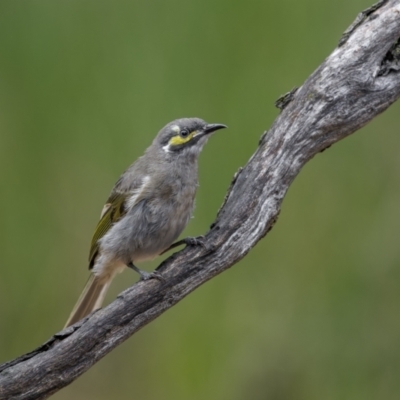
(195, 241)
(189, 241)
(144, 275)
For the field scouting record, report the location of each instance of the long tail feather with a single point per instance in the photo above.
(91, 298)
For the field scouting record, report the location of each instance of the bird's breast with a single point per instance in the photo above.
(154, 222)
(177, 197)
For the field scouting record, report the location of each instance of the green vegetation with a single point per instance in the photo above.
(311, 313)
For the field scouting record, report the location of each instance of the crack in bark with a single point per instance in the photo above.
(391, 62)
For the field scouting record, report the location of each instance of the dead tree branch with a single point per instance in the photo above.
(358, 81)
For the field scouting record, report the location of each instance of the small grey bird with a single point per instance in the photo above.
(147, 210)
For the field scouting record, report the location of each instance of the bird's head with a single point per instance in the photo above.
(185, 136)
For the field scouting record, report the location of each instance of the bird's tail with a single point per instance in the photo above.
(91, 298)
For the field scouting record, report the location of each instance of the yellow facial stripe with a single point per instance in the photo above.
(177, 140)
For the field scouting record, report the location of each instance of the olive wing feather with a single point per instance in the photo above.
(127, 192)
(113, 211)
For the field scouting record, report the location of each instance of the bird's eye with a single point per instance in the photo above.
(184, 133)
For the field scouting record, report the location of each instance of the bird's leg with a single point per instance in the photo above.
(189, 241)
(144, 276)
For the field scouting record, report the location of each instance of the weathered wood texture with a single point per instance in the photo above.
(359, 80)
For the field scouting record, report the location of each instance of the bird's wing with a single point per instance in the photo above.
(115, 208)
(112, 212)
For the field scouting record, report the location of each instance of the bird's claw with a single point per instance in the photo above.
(145, 276)
(195, 241)
(190, 241)
(198, 241)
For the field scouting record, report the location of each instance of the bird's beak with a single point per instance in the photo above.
(209, 128)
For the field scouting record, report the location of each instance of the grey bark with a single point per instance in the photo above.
(359, 80)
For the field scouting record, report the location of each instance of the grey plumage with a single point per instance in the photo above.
(147, 209)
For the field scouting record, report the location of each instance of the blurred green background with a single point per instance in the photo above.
(312, 312)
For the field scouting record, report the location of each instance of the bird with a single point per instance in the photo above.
(147, 209)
